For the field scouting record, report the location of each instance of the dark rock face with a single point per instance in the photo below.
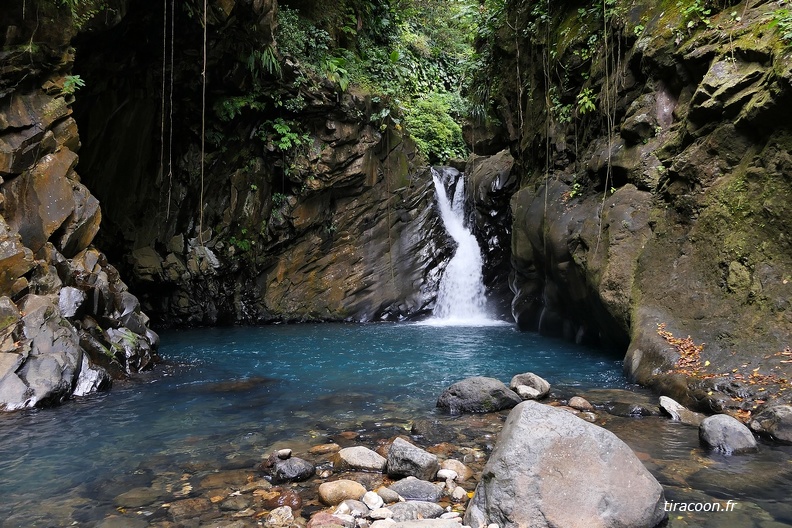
(775, 422)
(69, 325)
(677, 214)
(546, 457)
(477, 395)
(342, 228)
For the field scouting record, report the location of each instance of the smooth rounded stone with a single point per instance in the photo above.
(451, 515)
(413, 510)
(282, 516)
(327, 519)
(337, 491)
(136, 497)
(536, 476)
(413, 489)
(581, 404)
(463, 472)
(383, 523)
(325, 449)
(291, 470)
(405, 459)
(459, 494)
(727, 435)
(380, 513)
(355, 508)
(447, 474)
(372, 500)
(679, 413)
(775, 422)
(530, 379)
(284, 454)
(359, 458)
(389, 496)
(477, 395)
(493, 525)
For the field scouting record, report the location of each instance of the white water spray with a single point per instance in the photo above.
(461, 296)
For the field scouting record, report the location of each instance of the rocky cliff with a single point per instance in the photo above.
(68, 324)
(309, 206)
(653, 212)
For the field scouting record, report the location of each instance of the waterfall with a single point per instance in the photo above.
(461, 295)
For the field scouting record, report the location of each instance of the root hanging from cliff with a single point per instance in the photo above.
(203, 127)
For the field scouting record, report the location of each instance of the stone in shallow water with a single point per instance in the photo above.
(282, 516)
(413, 510)
(136, 497)
(405, 459)
(359, 458)
(538, 383)
(679, 413)
(775, 422)
(726, 434)
(337, 491)
(189, 508)
(463, 472)
(372, 500)
(477, 395)
(355, 508)
(414, 489)
(549, 483)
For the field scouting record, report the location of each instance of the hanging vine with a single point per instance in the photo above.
(203, 126)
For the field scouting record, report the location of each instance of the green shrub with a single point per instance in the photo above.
(429, 121)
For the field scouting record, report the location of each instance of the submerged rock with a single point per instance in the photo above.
(477, 395)
(536, 476)
(726, 434)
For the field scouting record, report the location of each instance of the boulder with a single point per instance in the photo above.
(405, 459)
(727, 435)
(337, 491)
(529, 379)
(290, 470)
(680, 413)
(775, 422)
(477, 395)
(359, 458)
(414, 510)
(551, 468)
(413, 489)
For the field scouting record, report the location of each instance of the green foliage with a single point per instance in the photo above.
(228, 108)
(72, 84)
(585, 101)
(263, 60)
(299, 38)
(782, 19)
(82, 11)
(696, 12)
(243, 244)
(283, 135)
(430, 122)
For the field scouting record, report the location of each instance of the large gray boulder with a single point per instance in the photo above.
(726, 434)
(477, 395)
(550, 468)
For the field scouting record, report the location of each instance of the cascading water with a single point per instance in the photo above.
(461, 296)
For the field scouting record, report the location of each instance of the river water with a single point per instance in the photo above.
(226, 397)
